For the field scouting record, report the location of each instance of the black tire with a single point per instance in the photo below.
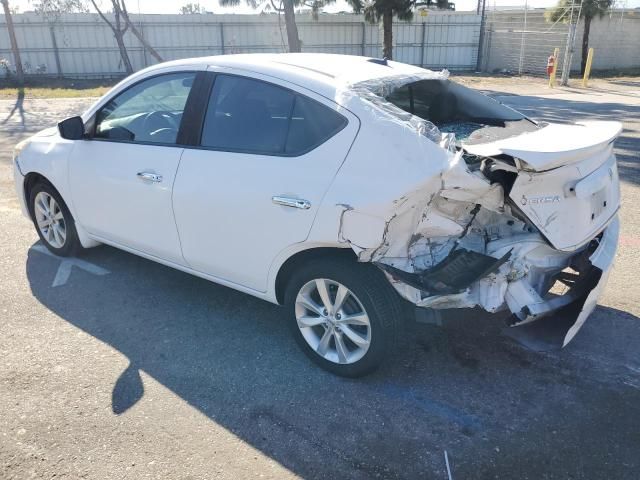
(71, 243)
(382, 304)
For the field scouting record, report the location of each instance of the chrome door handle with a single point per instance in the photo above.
(291, 202)
(151, 177)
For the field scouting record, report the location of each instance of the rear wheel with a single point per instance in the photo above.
(345, 316)
(53, 221)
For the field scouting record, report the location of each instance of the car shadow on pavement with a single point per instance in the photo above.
(497, 408)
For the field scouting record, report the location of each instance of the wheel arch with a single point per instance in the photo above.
(290, 264)
(30, 180)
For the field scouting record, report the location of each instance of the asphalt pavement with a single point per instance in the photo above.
(112, 366)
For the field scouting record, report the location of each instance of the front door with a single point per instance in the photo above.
(122, 178)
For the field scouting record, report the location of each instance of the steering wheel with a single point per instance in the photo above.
(159, 121)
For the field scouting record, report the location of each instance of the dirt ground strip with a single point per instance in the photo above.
(147, 372)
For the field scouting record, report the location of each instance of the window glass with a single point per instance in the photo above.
(311, 124)
(247, 115)
(150, 111)
(413, 98)
(423, 94)
(401, 97)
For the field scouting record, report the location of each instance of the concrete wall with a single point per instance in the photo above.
(615, 39)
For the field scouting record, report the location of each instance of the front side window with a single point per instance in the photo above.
(247, 115)
(148, 112)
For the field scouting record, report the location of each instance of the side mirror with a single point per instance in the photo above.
(72, 128)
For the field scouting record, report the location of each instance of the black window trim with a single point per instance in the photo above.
(195, 110)
(204, 107)
(199, 78)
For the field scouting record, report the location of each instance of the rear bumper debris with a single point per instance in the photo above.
(564, 314)
(602, 259)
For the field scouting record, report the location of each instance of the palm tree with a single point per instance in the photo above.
(588, 9)
(385, 10)
(14, 43)
(288, 8)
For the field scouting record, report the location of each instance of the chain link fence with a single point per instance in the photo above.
(519, 42)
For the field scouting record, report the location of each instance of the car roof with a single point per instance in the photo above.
(323, 73)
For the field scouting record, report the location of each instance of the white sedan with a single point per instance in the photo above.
(346, 188)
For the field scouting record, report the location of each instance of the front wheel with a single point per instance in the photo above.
(53, 221)
(345, 316)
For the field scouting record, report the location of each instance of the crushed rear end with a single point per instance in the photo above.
(523, 216)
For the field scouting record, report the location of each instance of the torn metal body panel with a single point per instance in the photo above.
(453, 275)
(509, 218)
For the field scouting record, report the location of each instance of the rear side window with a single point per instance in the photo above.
(247, 115)
(311, 124)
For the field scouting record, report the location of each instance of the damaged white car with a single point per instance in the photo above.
(343, 187)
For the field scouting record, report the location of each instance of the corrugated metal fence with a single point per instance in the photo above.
(82, 45)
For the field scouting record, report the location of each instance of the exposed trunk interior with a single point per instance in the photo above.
(455, 109)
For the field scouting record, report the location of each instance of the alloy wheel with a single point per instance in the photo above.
(333, 321)
(50, 219)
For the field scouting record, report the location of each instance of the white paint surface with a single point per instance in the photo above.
(398, 198)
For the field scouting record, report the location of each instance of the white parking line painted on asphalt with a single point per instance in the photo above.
(66, 263)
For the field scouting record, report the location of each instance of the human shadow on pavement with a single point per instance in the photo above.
(18, 107)
(463, 388)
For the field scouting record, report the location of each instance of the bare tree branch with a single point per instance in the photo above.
(138, 34)
(102, 15)
(277, 9)
(118, 32)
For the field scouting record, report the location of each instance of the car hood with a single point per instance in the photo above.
(47, 132)
(553, 145)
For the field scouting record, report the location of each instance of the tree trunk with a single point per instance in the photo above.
(119, 34)
(138, 34)
(292, 29)
(14, 43)
(585, 44)
(387, 33)
(142, 40)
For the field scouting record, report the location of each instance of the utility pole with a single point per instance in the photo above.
(483, 25)
(522, 41)
(14, 43)
(568, 51)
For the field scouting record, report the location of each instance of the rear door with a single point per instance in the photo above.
(267, 155)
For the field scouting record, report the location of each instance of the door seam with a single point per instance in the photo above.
(175, 220)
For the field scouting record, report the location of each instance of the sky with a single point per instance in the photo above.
(173, 6)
